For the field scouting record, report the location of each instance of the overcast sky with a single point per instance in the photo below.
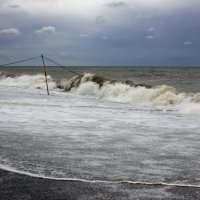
(102, 32)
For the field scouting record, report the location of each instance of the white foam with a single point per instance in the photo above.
(164, 97)
(189, 108)
(71, 119)
(32, 81)
(8, 168)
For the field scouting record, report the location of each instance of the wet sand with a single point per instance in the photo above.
(23, 187)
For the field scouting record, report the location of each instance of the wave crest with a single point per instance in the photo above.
(129, 91)
(162, 96)
(31, 81)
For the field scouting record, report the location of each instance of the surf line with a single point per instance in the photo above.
(141, 183)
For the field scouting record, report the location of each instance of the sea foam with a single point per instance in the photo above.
(162, 96)
(32, 81)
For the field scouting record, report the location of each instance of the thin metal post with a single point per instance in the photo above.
(45, 73)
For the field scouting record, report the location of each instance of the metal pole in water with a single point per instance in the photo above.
(45, 73)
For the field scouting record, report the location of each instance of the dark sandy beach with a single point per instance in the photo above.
(23, 187)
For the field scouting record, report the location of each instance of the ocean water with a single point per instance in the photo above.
(114, 132)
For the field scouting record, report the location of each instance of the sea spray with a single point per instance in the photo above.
(75, 81)
(79, 136)
(126, 91)
(162, 96)
(31, 81)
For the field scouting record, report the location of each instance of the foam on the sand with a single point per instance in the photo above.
(8, 168)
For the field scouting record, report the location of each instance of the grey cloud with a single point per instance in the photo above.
(115, 4)
(149, 37)
(9, 31)
(85, 35)
(187, 43)
(46, 30)
(105, 37)
(152, 29)
(100, 19)
(14, 6)
(2, 3)
(128, 35)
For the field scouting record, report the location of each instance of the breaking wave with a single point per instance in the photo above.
(31, 81)
(163, 96)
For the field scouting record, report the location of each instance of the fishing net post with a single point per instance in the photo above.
(45, 73)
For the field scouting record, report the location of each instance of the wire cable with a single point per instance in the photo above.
(62, 66)
(20, 61)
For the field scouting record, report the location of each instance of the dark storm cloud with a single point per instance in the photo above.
(134, 35)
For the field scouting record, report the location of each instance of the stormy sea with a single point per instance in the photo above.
(129, 132)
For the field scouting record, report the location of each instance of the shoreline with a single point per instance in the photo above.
(21, 186)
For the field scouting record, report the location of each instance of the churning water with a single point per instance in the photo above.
(113, 131)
